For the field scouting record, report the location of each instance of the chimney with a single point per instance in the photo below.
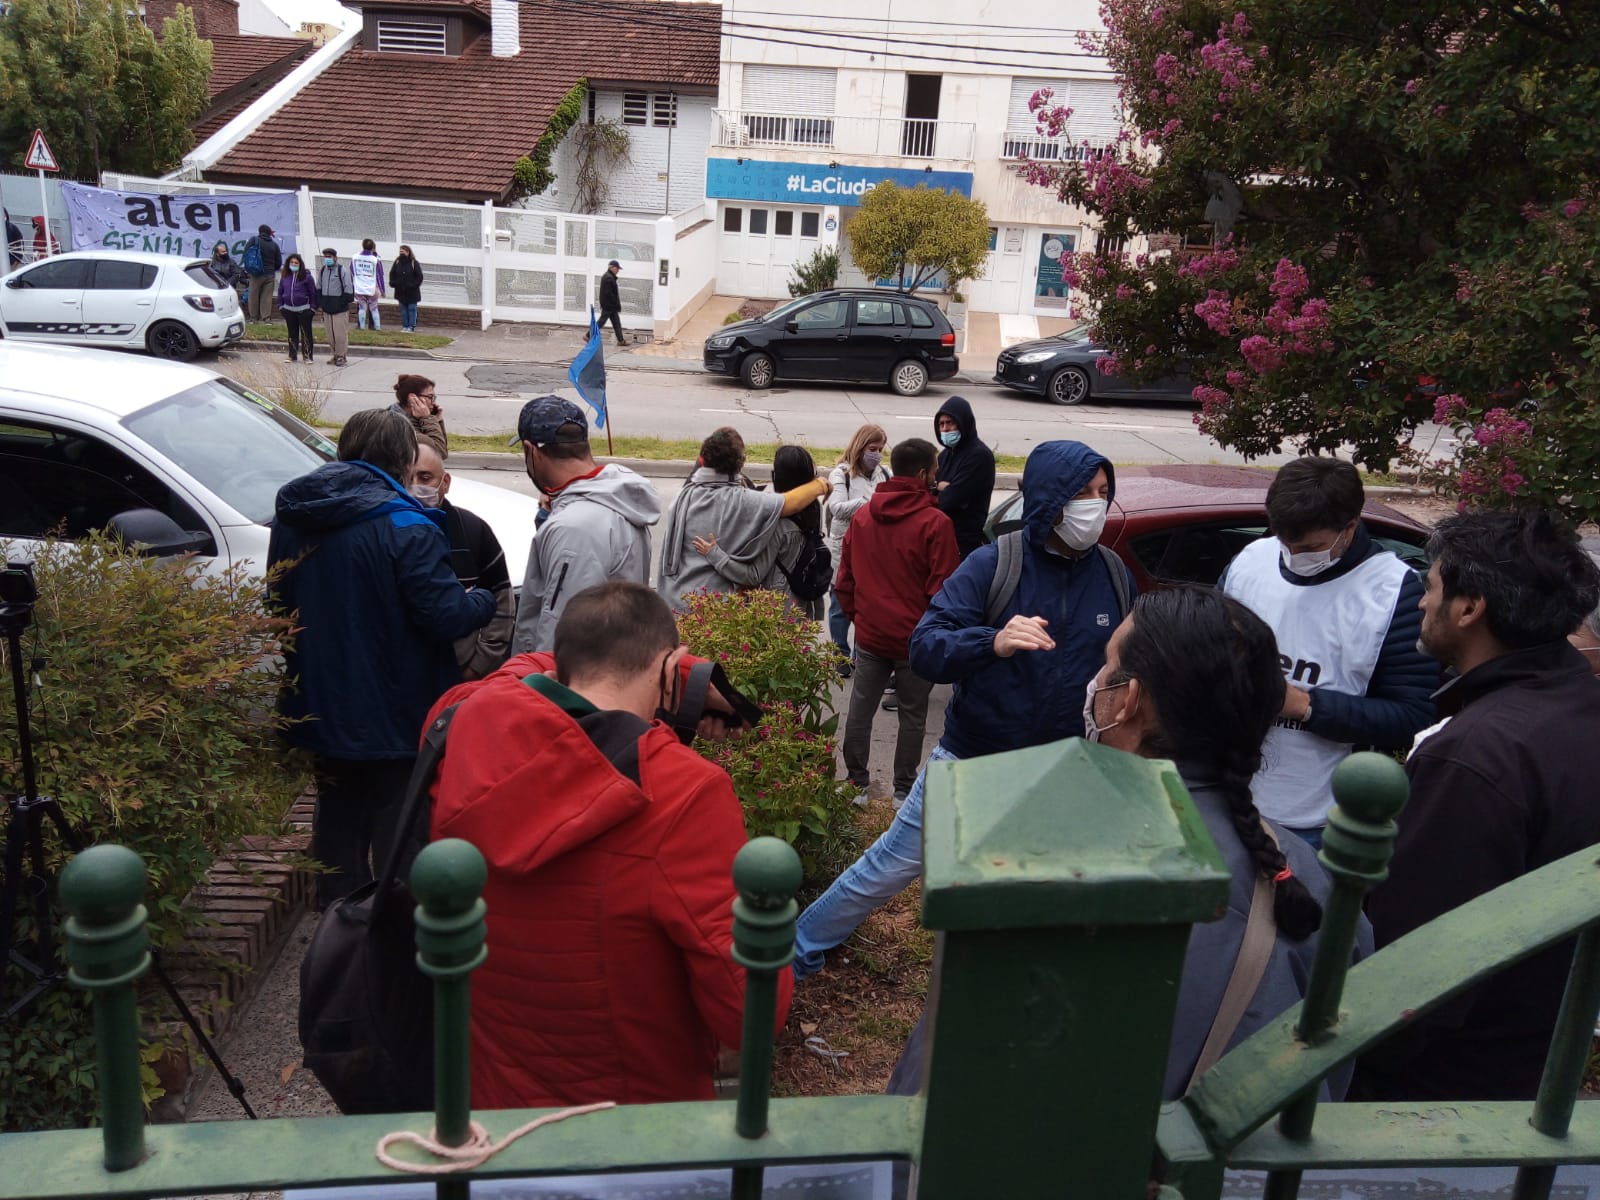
(505, 28)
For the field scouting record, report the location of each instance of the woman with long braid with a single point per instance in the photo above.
(1193, 676)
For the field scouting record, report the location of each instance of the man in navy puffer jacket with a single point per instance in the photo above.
(366, 573)
(1020, 679)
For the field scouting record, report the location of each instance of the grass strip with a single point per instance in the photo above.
(276, 331)
(683, 449)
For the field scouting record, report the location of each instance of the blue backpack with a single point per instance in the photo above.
(252, 258)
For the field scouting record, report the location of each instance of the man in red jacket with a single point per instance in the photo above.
(610, 848)
(896, 556)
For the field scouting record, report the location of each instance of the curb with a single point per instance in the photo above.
(250, 902)
(352, 351)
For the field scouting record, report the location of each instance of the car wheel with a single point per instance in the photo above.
(757, 371)
(170, 339)
(909, 378)
(1070, 385)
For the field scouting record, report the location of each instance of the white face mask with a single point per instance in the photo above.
(1081, 522)
(1309, 563)
(1091, 731)
(426, 496)
(870, 460)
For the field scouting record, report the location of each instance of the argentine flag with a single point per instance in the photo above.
(588, 372)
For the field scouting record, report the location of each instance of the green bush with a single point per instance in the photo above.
(783, 771)
(155, 728)
(817, 274)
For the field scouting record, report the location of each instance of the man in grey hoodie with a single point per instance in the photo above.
(599, 524)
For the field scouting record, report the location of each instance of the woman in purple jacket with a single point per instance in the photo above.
(297, 300)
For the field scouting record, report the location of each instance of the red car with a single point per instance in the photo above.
(1184, 524)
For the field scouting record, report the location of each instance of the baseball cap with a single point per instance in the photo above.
(547, 419)
(614, 263)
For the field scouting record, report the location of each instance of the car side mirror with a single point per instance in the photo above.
(791, 326)
(13, 281)
(152, 534)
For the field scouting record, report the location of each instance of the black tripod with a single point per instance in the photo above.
(24, 857)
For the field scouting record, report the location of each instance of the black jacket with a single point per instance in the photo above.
(405, 278)
(968, 469)
(271, 255)
(610, 298)
(1504, 788)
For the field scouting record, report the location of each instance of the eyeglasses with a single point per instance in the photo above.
(429, 395)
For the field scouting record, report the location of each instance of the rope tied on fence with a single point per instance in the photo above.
(475, 1151)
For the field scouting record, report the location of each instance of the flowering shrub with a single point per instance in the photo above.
(783, 771)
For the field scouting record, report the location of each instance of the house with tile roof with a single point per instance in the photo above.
(438, 99)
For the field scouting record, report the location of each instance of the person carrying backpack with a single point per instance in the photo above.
(262, 260)
(335, 293)
(1020, 656)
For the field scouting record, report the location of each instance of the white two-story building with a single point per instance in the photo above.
(822, 99)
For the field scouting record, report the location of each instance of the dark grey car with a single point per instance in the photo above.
(1064, 370)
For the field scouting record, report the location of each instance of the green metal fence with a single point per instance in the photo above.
(1063, 881)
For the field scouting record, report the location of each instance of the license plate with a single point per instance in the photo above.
(236, 329)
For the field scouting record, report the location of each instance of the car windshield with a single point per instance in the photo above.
(1075, 335)
(783, 310)
(233, 441)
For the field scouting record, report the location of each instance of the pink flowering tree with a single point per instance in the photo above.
(1358, 223)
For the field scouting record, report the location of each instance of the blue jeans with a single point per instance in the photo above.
(838, 624)
(887, 868)
(408, 317)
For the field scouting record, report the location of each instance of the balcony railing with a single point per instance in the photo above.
(903, 137)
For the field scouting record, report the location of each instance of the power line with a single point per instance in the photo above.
(732, 30)
(976, 27)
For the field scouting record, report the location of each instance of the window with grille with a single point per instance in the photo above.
(1096, 119)
(664, 110)
(635, 108)
(410, 37)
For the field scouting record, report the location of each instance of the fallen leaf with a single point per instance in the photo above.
(808, 1027)
(283, 1075)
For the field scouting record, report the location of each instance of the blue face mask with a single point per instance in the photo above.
(294, 267)
(327, 262)
(950, 437)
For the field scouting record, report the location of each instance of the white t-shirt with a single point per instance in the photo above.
(364, 273)
(1329, 637)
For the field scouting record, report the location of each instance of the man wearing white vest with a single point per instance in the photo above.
(1345, 614)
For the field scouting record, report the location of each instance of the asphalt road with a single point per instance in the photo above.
(484, 398)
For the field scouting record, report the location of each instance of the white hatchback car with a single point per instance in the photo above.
(87, 436)
(172, 307)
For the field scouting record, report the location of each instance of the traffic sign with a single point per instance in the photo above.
(39, 156)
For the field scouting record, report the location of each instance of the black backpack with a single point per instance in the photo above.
(812, 573)
(366, 1011)
(1008, 574)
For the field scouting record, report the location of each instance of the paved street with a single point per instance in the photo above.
(485, 398)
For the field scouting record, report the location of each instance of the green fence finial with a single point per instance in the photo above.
(447, 880)
(108, 949)
(767, 874)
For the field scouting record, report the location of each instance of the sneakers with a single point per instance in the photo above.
(900, 795)
(846, 669)
(891, 702)
(863, 793)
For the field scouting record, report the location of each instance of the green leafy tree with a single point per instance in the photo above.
(1398, 221)
(106, 92)
(913, 235)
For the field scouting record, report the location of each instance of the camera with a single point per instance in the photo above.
(17, 586)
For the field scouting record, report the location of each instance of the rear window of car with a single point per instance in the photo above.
(118, 275)
(920, 318)
(205, 277)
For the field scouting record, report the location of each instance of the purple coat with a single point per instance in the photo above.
(297, 290)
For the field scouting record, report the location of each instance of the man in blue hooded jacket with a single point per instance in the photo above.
(1020, 678)
(366, 572)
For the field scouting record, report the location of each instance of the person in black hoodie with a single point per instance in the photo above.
(966, 472)
(1506, 787)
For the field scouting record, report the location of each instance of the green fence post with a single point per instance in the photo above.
(1564, 1063)
(1370, 790)
(108, 950)
(447, 880)
(766, 874)
(1064, 880)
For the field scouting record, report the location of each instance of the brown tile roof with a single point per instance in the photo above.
(236, 57)
(454, 127)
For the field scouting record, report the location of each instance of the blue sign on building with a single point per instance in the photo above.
(817, 183)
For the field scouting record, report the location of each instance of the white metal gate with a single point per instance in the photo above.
(547, 266)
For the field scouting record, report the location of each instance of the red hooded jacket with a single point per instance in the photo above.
(897, 554)
(609, 897)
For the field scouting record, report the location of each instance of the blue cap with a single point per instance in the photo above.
(547, 419)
